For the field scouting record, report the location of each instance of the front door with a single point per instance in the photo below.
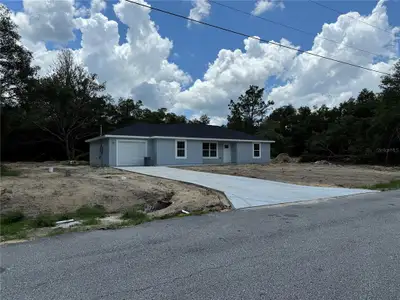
(227, 153)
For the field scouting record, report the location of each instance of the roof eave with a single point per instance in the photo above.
(177, 137)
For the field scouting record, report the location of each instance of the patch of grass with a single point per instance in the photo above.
(44, 220)
(16, 230)
(392, 185)
(90, 212)
(135, 217)
(92, 221)
(11, 217)
(6, 171)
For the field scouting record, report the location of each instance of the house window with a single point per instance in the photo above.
(180, 149)
(210, 150)
(257, 150)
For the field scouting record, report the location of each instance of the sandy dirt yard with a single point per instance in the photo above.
(310, 174)
(37, 190)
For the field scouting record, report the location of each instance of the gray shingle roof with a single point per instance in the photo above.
(183, 130)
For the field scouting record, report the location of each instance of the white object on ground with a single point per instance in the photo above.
(248, 192)
(123, 177)
(65, 221)
(68, 225)
(185, 212)
(51, 169)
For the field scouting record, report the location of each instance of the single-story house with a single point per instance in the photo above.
(176, 144)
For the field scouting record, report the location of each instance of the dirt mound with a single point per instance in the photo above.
(283, 158)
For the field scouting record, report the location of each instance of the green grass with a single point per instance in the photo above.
(6, 171)
(44, 220)
(11, 217)
(13, 225)
(90, 212)
(92, 221)
(135, 217)
(392, 185)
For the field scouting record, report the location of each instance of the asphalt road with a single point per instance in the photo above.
(346, 248)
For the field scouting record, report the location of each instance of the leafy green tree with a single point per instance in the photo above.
(248, 112)
(16, 72)
(204, 119)
(70, 104)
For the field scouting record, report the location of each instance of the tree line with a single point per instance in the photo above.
(49, 117)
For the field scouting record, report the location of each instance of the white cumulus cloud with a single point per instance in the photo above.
(201, 9)
(262, 6)
(138, 64)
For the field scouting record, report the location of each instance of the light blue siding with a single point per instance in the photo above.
(162, 152)
(96, 157)
(244, 153)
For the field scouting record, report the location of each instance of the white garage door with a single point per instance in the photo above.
(131, 153)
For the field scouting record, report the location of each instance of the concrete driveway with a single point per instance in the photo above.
(247, 192)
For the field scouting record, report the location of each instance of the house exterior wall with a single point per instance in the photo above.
(162, 152)
(244, 153)
(96, 157)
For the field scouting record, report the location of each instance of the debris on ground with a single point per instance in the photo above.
(68, 224)
(283, 158)
(322, 162)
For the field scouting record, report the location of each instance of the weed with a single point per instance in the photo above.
(6, 171)
(12, 217)
(135, 217)
(92, 221)
(44, 220)
(90, 212)
(13, 229)
(392, 185)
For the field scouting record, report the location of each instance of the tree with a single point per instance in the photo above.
(16, 72)
(204, 119)
(69, 104)
(249, 111)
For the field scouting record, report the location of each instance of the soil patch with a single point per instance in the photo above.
(310, 173)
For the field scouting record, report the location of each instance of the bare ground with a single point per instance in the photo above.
(310, 174)
(37, 190)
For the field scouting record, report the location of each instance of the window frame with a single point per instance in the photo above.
(209, 150)
(259, 151)
(176, 149)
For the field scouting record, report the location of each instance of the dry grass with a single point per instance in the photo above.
(37, 191)
(310, 174)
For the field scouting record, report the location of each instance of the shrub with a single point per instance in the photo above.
(6, 171)
(44, 220)
(90, 212)
(12, 217)
(135, 217)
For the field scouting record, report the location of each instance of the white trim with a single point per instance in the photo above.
(133, 141)
(176, 149)
(209, 149)
(256, 157)
(175, 138)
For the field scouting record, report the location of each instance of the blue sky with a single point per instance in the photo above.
(196, 47)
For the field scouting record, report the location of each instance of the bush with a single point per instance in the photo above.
(90, 212)
(44, 220)
(12, 217)
(6, 171)
(92, 221)
(135, 217)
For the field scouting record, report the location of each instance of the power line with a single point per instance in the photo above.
(253, 37)
(343, 13)
(289, 27)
